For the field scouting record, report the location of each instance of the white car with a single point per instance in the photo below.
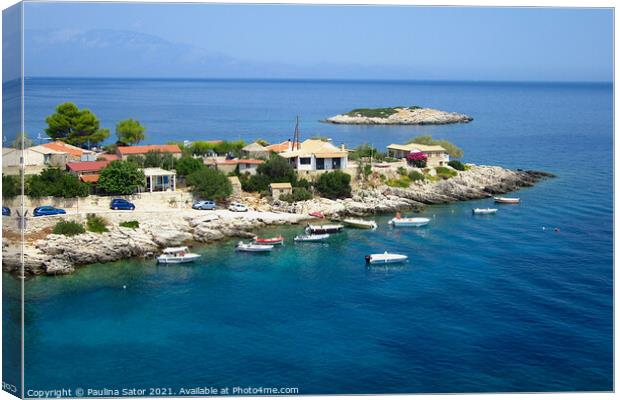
(238, 207)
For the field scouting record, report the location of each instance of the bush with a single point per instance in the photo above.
(254, 183)
(11, 186)
(299, 194)
(121, 177)
(334, 185)
(57, 183)
(208, 183)
(416, 176)
(402, 171)
(186, 165)
(130, 224)
(68, 228)
(445, 173)
(96, 223)
(456, 164)
(402, 182)
(417, 159)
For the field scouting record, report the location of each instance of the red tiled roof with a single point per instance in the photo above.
(279, 147)
(164, 148)
(90, 178)
(65, 148)
(108, 157)
(87, 166)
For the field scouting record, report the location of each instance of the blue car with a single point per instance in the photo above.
(204, 205)
(48, 210)
(6, 211)
(122, 204)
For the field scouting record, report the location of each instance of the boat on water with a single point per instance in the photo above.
(385, 258)
(484, 210)
(399, 220)
(312, 238)
(177, 255)
(333, 228)
(272, 240)
(253, 247)
(507, 200)
(360, 223)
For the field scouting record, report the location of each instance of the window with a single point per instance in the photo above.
(305, 161)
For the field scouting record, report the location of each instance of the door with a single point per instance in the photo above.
(335, 163)
(320, 163)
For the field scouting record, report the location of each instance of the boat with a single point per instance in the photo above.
(484, 210)
(317, 214)
(333, 228)
(273, 240)
(385, 258)
(507, 200)
(312, 238)
(399, 220)
(360, 223)
(177, 255)
(253, 247)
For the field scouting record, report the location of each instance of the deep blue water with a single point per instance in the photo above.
(485, 304)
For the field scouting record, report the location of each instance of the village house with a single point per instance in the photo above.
(437, 155)
(279, 189)
(228, 166)
(255, 150)
(280, 147)
(87, 171)
(125, 151)
(159, 180)
(317, 155)
(74, 153)
(36, 159)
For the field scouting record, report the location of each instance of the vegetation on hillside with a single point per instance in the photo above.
(334, 185)
(96, 223)
(452, 150)
(68, 228)
(378, 112)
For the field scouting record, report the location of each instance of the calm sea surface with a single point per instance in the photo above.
(485, 304)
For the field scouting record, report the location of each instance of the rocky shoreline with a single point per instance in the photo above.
(58, 254)
(402, 116)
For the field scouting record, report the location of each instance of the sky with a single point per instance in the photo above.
(323, 42)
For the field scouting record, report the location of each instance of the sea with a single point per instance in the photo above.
(517, 301)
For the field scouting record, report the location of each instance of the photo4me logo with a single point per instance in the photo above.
(9, 387)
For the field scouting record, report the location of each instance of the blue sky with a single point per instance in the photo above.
(275, 41)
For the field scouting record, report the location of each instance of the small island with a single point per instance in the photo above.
(412, 115)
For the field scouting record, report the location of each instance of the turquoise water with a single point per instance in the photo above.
(486, 303)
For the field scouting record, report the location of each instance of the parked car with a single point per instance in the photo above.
(122, 204)
(6, 211)
(47, 210)
(238, 207)
(204, 205)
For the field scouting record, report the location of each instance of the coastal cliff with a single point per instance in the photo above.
(58, 254)
(399, 116)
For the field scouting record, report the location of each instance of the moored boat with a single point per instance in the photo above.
(177, 255)
(253, 247)
(507, 200)
(272, 240)
(484, 210)
(317, 214)
(385, 258)
(360, 223)
(312, 238)
(333, 228)
(399, 220)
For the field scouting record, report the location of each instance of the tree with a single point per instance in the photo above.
(121, 177)
(22, 141)
(186, 165)
(57, 183)
(277, 169)
(453, 150)
(129, 131)
(75, 126)
(209, 183)
(334, 185)
(152, 159)
(11, 186)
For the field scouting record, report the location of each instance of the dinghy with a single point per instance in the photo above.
(484, 210)
(360, 223)
(404, 221)
(324, 228)
(254, 248)
(273, 240)
(312, 238)
(385, 258)
(507, 200)
(317, 214)
(177, 255)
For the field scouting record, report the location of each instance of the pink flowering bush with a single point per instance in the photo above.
(417, 159)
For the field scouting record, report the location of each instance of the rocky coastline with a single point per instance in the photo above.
(58, 254)
(401, 116)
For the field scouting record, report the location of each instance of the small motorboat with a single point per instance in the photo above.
(409, 221)
(312, 238)
(360, 223)
(177, 255)
(507, 200)
(385, 258)
(273, 240)
(253, 247)
(484, 210)
(317, 214)
(334, 228)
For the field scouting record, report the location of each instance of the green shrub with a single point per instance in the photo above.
(334, 185)
(68, 228)
(456, 164)
(402, 182)
(445, 173)
(402, 171)
(416, 176)
(121, 177)
(130, 224)
(57, 183)
(299, 194)
(208, 183)
(96, 223)
(11, 186)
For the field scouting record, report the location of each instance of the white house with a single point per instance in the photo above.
(317, 155)
(36, 159)
(437, 155)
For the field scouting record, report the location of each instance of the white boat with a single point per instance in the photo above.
(360, 223)
(333, 228)
(507, 200)
(484, 210)
(385, 258)
(405, 221)
(253, 247)
(312, 238)
(177, 255)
